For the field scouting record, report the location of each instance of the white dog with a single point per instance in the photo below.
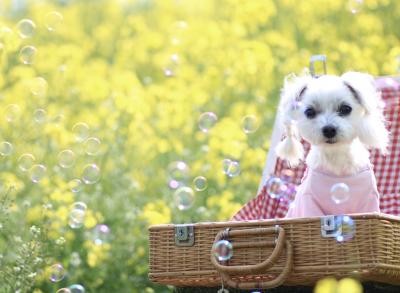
(341, 117)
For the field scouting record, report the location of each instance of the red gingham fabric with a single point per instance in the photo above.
(386, 168)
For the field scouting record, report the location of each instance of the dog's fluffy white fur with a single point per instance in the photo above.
(316, 109)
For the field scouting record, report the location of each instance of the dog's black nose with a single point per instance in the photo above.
(329, 131)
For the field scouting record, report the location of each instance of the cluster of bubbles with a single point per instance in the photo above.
(223, 250)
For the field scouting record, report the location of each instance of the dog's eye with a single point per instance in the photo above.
(310, 113)
(345, 110)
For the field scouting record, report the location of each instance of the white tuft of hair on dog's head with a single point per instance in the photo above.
(371, 129)
(290, 148)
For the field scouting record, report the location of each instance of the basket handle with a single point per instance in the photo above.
(249, 269)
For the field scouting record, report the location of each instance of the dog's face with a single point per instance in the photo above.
(329, 112)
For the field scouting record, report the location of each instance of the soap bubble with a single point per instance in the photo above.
(27, 54)
(12, 112)
(91, 174)
(184, 198)
(348, 228)
(168, 72)
(340, 193)
(207, 120)
(275, 187)
(25, 162)
(40, 116)
(287, 175)
(250, 124)
(53, 20)
(230, 167)
(6, 148)
(81, 131)
(26, 28)
(75, 185)
(76, 288)
(355, 6)
(63, 290)
(295, 110)
(76, 218)
(57, 273)
(66, 158)
(38, 86)
(101, 234)
(92, 146)
(37, 172)
(178, 171)
(200, 183)
(223, 250)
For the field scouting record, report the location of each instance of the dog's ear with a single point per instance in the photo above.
(371, 130)
(290, 148)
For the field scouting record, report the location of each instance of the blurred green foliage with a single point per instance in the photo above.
(140, 73)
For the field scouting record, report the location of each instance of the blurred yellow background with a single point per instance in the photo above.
(122, 105)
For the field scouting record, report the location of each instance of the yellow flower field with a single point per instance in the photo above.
(111, 110)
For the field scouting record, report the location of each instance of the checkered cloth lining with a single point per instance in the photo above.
(386, 168)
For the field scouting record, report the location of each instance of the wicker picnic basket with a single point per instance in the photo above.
(268, 253)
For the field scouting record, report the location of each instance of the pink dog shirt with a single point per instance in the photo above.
(314, 198)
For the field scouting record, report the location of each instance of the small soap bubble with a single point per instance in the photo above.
(81, 131)
(92, 146)
(26, 28)
(340, 193)
(223, 250)
(355, 6)
(63, 290)
(12, 112)
(57, 273)
(287, 175)
(207, 120)
(37, 172)
(178, 171)
(295, 110)
(25, 162)
(250, 124)
(91, 174)
(75, 185)
(101, 234)
(38, 86)
(76, 218)
(230, 167)
(66, 158)
(168, 72)
(40, 116)
(173, 184)
(348, 228)
(184, 198)
(27, 55)
(175, 58)
(53, 20)
(6, 148)
(275, 187)
(200, 183)
(76, 288)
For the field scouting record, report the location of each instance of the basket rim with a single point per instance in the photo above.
(375, 215)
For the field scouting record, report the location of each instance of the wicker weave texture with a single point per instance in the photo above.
(373, 254)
